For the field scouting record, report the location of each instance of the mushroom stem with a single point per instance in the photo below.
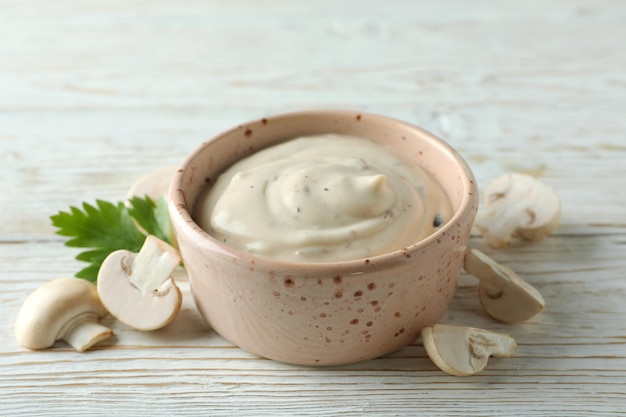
(485, 343)
(498, 229)
(85, 333)
(153, 265)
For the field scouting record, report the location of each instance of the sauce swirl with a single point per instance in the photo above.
(323, 198)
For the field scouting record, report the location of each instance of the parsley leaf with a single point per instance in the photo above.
(152, 216)
(107, 227)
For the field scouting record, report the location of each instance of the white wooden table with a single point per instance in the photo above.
(93, 94)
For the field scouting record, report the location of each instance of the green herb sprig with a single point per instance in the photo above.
(106, 227)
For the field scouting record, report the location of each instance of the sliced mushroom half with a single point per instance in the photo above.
(503, 294)
(463, 351)
(138, 288)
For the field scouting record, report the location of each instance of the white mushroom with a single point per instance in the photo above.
(62, 309)
(464, 351)
(153, 184)
(138, 289)
(503, 294)
(517, 205)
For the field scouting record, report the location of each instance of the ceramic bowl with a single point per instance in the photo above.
(323, 313)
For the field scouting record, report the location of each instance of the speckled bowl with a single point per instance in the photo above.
(327, 313)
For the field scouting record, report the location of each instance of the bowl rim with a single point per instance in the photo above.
(183, 222)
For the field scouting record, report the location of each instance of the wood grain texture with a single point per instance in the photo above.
(94, 94)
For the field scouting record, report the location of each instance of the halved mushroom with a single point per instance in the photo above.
(62, 309)
(138, 289)
(517, 205)
(503, 294)
(464, 351)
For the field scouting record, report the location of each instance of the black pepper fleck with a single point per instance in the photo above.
(438, 221)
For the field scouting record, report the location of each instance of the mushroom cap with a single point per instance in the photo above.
(502, 293)
(51, 311)
(464, 351)
(153, 184)
(128, 303)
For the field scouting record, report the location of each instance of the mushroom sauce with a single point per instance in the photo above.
(323, 198)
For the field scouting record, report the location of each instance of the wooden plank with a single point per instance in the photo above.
(93, 95)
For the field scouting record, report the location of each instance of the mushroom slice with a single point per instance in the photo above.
(62, 309)
(138, 289)
(517, 205)
(464, 351)
(503, 294)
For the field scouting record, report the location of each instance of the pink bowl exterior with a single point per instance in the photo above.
(323, 314)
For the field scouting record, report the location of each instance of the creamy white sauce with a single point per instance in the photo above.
(321, 199)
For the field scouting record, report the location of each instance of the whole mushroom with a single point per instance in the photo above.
(62, 309)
